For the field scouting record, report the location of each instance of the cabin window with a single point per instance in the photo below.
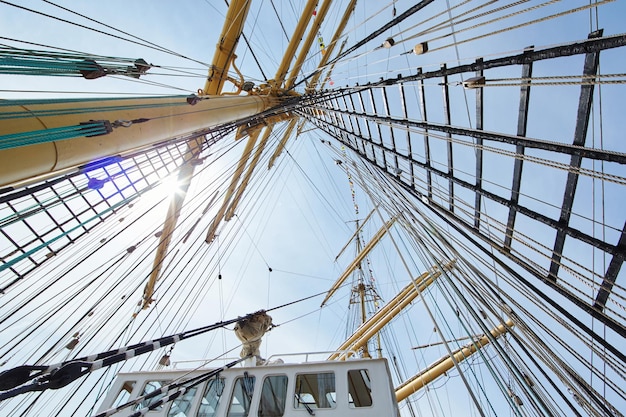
(124, 394)
(150, 387)
(242, 396)
(211, 398)
(315, 391)
(359, 388)
(181, 405)
(273, 396)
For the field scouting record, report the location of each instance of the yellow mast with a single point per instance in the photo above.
(325, 57)
(361, 290)
(357, 261)
(383, 316)
(274, 89)
(307, 14)
(248, 176)
(308, 42)
(446, 363)
(281, 145)
(329, 49)
(137, 124)
(224, 53)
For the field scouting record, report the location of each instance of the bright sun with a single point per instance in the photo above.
(170, 185)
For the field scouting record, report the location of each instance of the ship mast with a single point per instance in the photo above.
(443, 365)
(275, 86)
(128, 125)
(362, 293)
(523, 211)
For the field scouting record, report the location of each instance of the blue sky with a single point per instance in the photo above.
(310, 192)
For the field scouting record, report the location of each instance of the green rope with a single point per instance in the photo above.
(93, 128)
(31, 66)
(30, 62)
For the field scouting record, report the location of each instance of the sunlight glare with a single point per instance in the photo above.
(170, 185)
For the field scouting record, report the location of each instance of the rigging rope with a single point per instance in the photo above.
(142, 43)
(513, 300)
(61, 374)
(32, 62)
(527, 283)
(86, 129)
(58, 375)
(412, 10)
(521, 25)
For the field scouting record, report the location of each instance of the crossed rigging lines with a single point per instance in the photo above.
(393, 158)
(352, 124)
(73, 204)
(355, 118)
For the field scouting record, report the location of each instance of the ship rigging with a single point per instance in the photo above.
(145, 191)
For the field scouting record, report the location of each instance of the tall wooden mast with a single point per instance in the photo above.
(128, 125)
(133, 124)
(274, 88)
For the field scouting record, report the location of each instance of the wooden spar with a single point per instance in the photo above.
(356, 232)
(361, 289)
(325, 57)
(375, 318)
(225, 48)
(442, 366)
(278, 80)
(361, 255)
(246, 179)
(308, 42)
(281, 145)
(218, 74)
(383, 316)
(226, 211)
(254, 135)
(157, 119)
(306, 15)
(321, 15)
(329, 49)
